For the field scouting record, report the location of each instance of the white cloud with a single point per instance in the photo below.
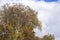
(49, 14)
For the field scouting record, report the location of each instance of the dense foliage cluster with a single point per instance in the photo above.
(17, 22)
(46, 37)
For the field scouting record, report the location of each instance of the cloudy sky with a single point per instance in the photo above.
(48, 14)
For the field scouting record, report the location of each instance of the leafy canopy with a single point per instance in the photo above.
(17, 22)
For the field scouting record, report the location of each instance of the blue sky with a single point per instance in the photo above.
(50, 0)
(47, 0)
(48, 14)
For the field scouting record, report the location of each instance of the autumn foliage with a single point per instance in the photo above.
(46, 37)
(17, 22)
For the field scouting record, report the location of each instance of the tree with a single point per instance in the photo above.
(18, 22)
(46, 37)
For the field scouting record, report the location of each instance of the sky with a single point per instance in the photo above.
(50, 0)
(47, 0)
(48, 14)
